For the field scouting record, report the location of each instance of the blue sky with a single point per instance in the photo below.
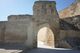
(16, 7)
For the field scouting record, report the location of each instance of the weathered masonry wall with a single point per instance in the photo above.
(69, 33)
(18, 29)
(23, 29)
(2, 31)
(69, 38)
(45, 15)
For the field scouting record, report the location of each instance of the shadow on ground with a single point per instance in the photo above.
(12, 46)
(35, 50)
(44, 50)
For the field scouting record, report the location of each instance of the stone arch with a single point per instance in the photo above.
(45, 36)
(54, 31)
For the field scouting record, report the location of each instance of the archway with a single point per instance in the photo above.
(45, 38)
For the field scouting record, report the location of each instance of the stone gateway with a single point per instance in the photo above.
(23, 29)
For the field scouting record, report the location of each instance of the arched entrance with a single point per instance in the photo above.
(47, 34)
(45, 38)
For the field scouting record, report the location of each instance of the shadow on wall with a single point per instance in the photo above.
(74, 42)
(70, 23)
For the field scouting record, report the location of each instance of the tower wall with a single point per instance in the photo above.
(45, 15)
(45, 11)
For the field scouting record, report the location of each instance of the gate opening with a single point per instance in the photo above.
(45, 38)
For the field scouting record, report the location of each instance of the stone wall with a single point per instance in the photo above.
(69, 33)
(45, 11)
(17, 28)
(45, 14)
(2, 30)
(19, 17)
(18, 31)
(70, 38)
(23, 29)
(70, 23)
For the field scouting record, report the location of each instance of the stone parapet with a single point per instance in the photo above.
(19, 17)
